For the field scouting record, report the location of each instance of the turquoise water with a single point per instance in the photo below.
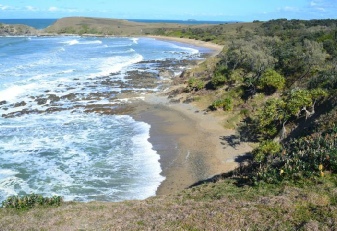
(50, 144)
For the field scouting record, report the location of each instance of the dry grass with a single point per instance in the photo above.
(213, 206)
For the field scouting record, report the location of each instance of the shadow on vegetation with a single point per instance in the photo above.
(247, 130)
(308, 126)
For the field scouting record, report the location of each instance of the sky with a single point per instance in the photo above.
(215, 10)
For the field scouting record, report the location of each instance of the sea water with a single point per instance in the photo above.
(50, 144)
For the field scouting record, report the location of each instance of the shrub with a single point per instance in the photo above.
(269, 118)
(271, 81)
(226, 104)
(194, 84)
(220, 76)
(218, 80)
(31, 200)
(307, 157)
(265, 149)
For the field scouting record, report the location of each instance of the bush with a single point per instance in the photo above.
(194, 84)
(31, 200)
(220, 76)
(312, 154)
(218, 80)
(308, 157)
(269, 118)
(226, 104)
(265, 149)
(271, 81)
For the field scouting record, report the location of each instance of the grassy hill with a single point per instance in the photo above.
(116, 27)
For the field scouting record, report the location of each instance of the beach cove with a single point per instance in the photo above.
(181, 137)
(45, 110)
(191, 142)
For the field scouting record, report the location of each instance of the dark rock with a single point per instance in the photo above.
(54, 109)
(70, 96)
(53, 98)
(188, 100)
(41, 101)
(175, 101)
(20, 104)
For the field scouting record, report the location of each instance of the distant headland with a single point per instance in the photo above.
(98, 26)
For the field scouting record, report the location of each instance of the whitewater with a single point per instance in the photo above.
(55, 135)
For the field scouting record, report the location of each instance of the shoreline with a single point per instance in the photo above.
(191, 144)
(216, 49)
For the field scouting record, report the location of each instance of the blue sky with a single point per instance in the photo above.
(242, 10)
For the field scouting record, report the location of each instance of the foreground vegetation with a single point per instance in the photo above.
(212, 206)
(276, 83)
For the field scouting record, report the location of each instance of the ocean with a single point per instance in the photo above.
(36, 23)
(60, 130)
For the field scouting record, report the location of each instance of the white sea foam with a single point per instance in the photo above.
(72, 42)
(151, 170)
(76, 41)
(135, 40)
(7, 172)
(191, 51)
(117, 63)
(79, 157)
(12, 93)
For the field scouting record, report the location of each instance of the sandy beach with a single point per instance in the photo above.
(192, 144)
(215, 48)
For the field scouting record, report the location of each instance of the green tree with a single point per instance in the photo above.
(313, 55)
(299, 100)
(271, 81)
(270, 118)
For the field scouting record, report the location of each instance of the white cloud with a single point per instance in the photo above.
(31, 8)
(2, 7)
(328, 7)
(290, 9)
(53, 9)
(313, 3)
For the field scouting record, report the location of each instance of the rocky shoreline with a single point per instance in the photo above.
(136, 82)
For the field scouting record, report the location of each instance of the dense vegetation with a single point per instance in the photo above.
(280, 79)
